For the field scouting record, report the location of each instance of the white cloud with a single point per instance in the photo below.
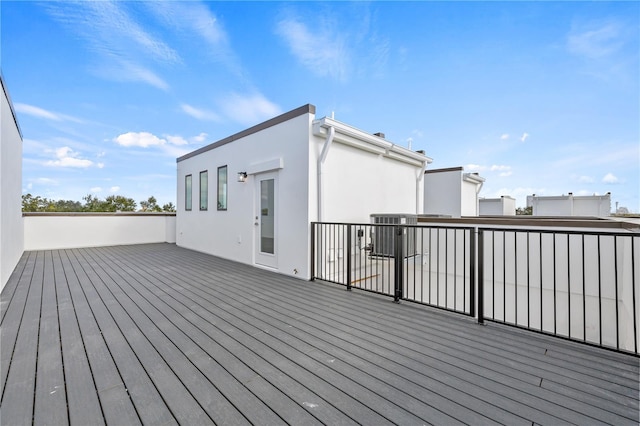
(129, 71)
(596, 39)
(505, 170)
(120, 42)
(322, 50)
(46, 181)
(168, 144)
(66, 157)
(200, 114)
(249, 109)
(43, 113)
(341, 45)
(109, 28)
(524, 137)
(504, 137)
(610, 178)
(200, 138)
(114, 189)
(585, 179)
(95, 189)
(141, 139)
(505, 174)
(176, 140)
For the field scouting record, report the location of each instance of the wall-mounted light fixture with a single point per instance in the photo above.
(242, 176)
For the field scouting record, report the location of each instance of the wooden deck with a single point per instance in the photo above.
(157, 334)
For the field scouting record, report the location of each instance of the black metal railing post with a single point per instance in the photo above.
(480, 290)
(313, 251)
(398, 256)
(348, 254)
(472, 272)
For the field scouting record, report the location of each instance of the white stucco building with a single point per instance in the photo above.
(11, 228)
(570, 205)
(451, 192)
(503, 206)
(252, 196)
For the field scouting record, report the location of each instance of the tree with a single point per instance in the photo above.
(169, 207)
(91, 204)
(524, 211)
(151, 205)
(65, 206)
(34, 204)
(118, 203)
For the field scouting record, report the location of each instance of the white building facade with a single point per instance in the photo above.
(571, 205)
(252, 196)
(451, 192)
(503, 206)
(11, 228)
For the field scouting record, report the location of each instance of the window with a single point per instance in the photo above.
(187, 192)
(222, 188)
(204, 190)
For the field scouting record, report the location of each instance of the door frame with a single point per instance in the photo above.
(260, 258)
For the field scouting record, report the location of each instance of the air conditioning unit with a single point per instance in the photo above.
(384, 236)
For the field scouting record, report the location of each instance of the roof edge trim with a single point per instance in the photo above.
(305, 109)
(13, 112)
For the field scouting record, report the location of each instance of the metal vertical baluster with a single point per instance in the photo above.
(615, 269)
(480, 276)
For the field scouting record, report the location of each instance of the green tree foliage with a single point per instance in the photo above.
(150, 205)
(169, 207)
(118, 203)
(113, 203)
(524, 211)
(41, 204)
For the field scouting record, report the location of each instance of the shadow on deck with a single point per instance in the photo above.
(157, 334)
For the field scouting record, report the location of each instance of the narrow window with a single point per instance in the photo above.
(187, 192)
(204, 190)
(222, 188)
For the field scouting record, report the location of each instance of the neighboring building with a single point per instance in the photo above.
(252, 196)
(451, 192)
(571, 205)
(503, 206)
(11, 228)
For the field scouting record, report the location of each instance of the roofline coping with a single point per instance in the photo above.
(371, 139)
(305, 109)
(13, 112)
(448, 169)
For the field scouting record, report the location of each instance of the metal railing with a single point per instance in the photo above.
(424, 264)
(578, 285)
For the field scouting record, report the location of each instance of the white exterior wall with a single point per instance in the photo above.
(443, 193)
(597, 205)
(469, 200)
(357, 183)
(11, 234)
(503, 206)
(231, 234)
(570, 205)
(61, 231)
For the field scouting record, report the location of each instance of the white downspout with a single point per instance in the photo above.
(478, 189)
(418, 180)
(323, 155)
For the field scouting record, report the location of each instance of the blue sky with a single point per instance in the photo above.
(538, 97)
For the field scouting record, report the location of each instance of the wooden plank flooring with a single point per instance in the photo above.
(157, 334)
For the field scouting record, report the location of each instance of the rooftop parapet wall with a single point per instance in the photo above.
(50, 231)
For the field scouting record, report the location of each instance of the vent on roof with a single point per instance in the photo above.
(379, 134)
